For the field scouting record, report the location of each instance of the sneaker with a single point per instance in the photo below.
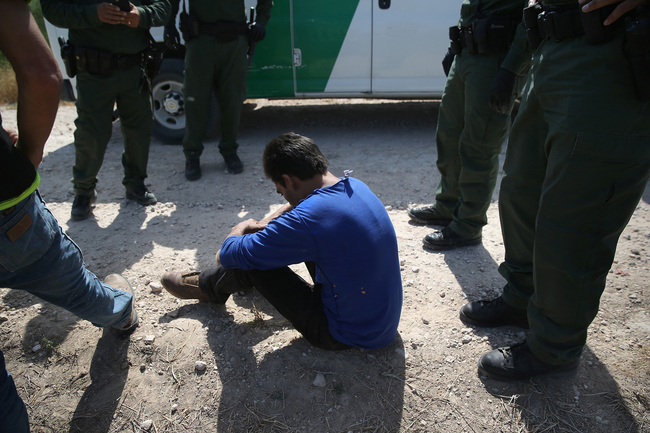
(447, 239)
(82, 206)
(428, 215)
(142, 195)
(233, 163)
(496, 312)
(517, 362)
(192, 169)
(184, 286)
(117, 281)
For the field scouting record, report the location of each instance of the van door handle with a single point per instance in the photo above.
(384, 4)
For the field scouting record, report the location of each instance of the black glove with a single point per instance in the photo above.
(502, 91)
(446, 62)
(172, 38)
(256, 32)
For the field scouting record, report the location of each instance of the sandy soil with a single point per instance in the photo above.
(260, 375)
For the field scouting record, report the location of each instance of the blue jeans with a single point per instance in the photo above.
(37, 256)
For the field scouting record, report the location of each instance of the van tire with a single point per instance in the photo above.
(168, 104)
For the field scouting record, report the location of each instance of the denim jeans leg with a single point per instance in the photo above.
(13, 414)
(294, 298)
(45, 262)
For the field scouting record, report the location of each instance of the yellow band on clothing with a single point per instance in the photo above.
(14, 201)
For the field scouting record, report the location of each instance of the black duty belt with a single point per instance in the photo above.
(103, 62)
(556, 24)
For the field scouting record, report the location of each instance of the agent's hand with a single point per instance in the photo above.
(256, 32)
(172, 38)
(624, 7)
(110, 14)
(502, 91)
(132, 18)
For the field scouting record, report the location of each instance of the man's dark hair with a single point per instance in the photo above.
(293, 154)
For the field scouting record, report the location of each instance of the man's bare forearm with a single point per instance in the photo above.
(37, 75)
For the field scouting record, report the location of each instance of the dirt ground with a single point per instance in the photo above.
(260, 375)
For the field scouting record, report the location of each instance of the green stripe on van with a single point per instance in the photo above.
(319, 31)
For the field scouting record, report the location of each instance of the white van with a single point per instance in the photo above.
(325, 49)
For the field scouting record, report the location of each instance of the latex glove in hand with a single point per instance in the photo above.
(502, 91)
(172, 38)
(256, 32)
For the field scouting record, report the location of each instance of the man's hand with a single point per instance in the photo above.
(256, 32)
(13, 134)
(172, 38)
(110, 14)
(624, 7)
(502, 91)
(246, 227)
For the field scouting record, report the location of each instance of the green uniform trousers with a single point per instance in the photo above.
(469, 137)
(220, 66)
(577, 164)
(96, 98)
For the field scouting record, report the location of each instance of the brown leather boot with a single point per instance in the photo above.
(184, 286)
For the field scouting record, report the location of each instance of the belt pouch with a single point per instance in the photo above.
(92, 61)
(592, 23)
(105, 64)
(480, 35)
(454, 36)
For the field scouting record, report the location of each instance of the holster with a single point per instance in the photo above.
(189, 25)
(68, 57)
(637, 34)
(153, 58)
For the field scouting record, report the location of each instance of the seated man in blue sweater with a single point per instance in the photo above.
(338, 228)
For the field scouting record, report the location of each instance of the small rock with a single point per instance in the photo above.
(635, 252)
(146, 425)
(466, 339)
(3, 318)
(320, 381)
(149, 339)
(36, 347)
(415, 269)
(156, 287)
(200, 365)
(425, 320)
(442, 294)
(633, 296)
(174, 408)
(173, 314)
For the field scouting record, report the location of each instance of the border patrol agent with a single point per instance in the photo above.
(577, 164)
(216, 39)
(491, 55)
(109, 46)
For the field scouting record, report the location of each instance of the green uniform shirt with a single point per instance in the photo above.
(211, 11)
(518, 57)
(86, 30)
